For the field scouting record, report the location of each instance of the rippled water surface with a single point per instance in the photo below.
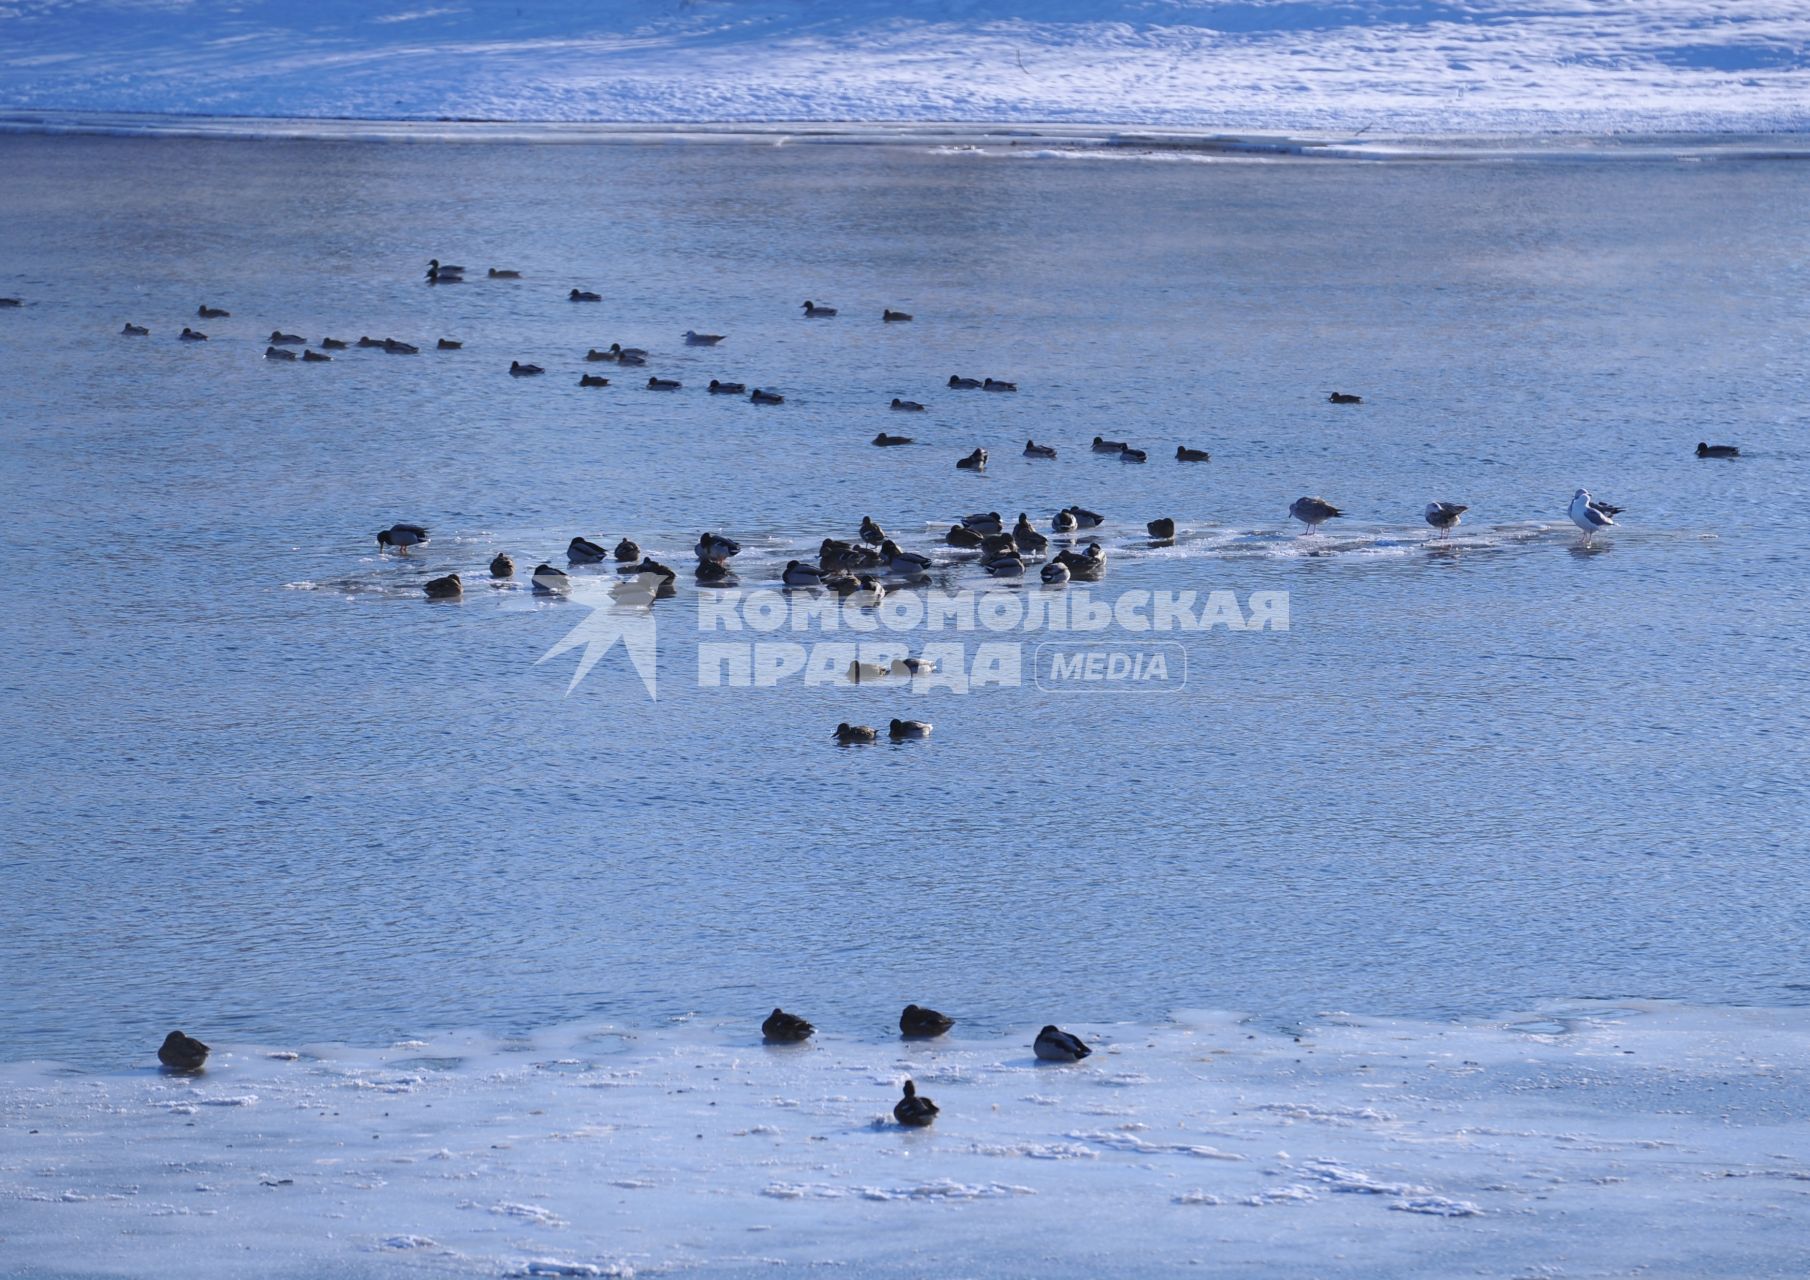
(255, 784)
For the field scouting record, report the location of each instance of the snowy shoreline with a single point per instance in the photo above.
(1598, 1137)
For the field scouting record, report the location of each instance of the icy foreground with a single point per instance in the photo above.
(1597, 1140)
(1398, 65)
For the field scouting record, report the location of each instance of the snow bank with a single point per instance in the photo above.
(1427, 66)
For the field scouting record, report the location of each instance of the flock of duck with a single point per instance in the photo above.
(182, 1054)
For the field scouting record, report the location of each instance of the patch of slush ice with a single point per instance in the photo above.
(1439, 1206)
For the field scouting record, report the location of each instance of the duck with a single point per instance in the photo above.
(12, 302)
(446, 588)
(627, 551)
(841, 582)
(1009, 565)
(1084, 566)
(211, 313)
(280, 339)
(444, 268)
(583, 295)
(664, 384)
(902, 729)
(316, 357)
(714, 573)
(713, 546)
(548, 581)
(889, 316)
(503, 273)
(594, 355)
(901, 561)
(885, 441)
(401, 536)
(449, 344)
(1707, 450)
(871, 591)
(1590, 515)
(1053, 1044)
(1064, 522)
(502, 566)
(757, 396)
(334, 344)
(1128, 454)
(785, 1028)
(1027, 538)
(191, 335)
(397, 348)
(626, 354)
(1444, 515)
(976, 461)
(872, 532)
(1339, 397)
(1184, 454)
(367, 341)
(960, 535)
(649, 565)
(918, 1023)
(1313, 512)
(1108, 446)
(859, 671)
(906, 406)
(958, 383)
(1086, 519)
(849, 734)
(834, 553)
(592, 380)
(1055, 574)
(445, 275)
(998, 544)
(702, 339)
(1162, 528)
(813, 311)
(725, 388)
(584, 551)
(799, 574)
(913, 666)
(1034, 450)
(182, 1052)
(913, 1111)
(519, 370)
(983, 522)
(996, 384)
(135, 330)
(278, 353)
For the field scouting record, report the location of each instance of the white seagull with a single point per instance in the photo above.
(1591, 515)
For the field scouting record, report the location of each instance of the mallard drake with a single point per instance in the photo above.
(444, 588)
(912, 1111)
(1128, 454)
(757, 396)
(725, 388)
(1162, 528)
(1087, 519)
(550, 581)
(519, 370)
(191, 335)
(1064, 522)
(799, 574)
(211, 313)
(180, 1052)
(584, 295)
(976, 461)
(1108, 446)
(316, 357)
(854, 733)
(870, 591)
(1009, 565)
(584, 551)
(1444, 515)
(885, 441)
(902, 729)
(278, 353)
(983, 522)
(401, 536)
(280, 339)
(900, 561)
(960, 535)
(998, 544)
(502, 566)
(1707, 450)
(996, 384)
(663, 384)
(889, 316)
(1184, 454)
(1056, 1045)
(1339, 397)
(1034, 450)
(702, 339)
(445, 268)
(785, 1028)
(627, 353)
(135, 330)
(918, 1023)
(713, 546)
(958, 383)
(815, 312)
(449, 344)
(1055, 573)
(1313, 512)
(906, 406)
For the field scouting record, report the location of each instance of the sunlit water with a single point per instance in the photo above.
(257, 786)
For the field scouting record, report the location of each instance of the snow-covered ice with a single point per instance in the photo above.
(1386, 65)
(1614, 1138)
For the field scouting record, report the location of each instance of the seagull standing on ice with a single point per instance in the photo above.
(1591, 515)
(1443, 516)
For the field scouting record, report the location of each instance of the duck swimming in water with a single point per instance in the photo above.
(1128, 454)
(448, 344)
(757, 396)
(519, 370)
(500, 273)
(627, 354)
(885, 441)
(502, 566)
(397, 348)
(725, 388)
(447, 588)
(592, 380)
(889, 316)
(1444, 515)
(278, 353)
(958, 383)
(1339, 397)
(180, 1052)
(976, 461)
(368, 341)
(401, 536)
(814, 312)
(1184, 454)
(334, 344)
(1313, 512)
(1108, 446)
(583, 295)
(316, 357)
(702, 339)
(280, 339)
(785, 1028)
(906, 406)
(191, 335)
(1053, 1044)
(211, 313)
(1034, 450)
(1707, 450)
(904, 729)
(663, 384)
(995, 384)
(918, 1023)
(851, 734)
(135, 330)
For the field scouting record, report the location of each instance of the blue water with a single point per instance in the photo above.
(256, 786)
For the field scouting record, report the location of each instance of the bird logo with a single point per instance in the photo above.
(623, 610)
